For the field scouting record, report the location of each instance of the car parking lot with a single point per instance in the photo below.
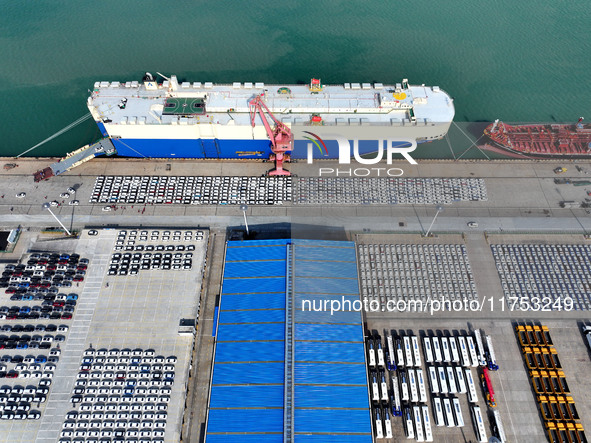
(120, 394)
(545, 276)
(152, 250)
(124, 358)
(35, 315)
(191, 190)
(279, 190)
(387, 191)
(390, 272)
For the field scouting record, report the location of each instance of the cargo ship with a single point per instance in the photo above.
(173, 119)
(542, 140)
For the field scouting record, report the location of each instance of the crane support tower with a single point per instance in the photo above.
(280, 136)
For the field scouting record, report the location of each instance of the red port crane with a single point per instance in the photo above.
(488, 389)
(280, 136)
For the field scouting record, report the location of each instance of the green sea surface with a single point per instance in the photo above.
(517, 61)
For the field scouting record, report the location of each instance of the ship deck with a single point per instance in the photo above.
(373, 104)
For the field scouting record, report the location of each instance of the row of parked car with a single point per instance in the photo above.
(16, 401)
(38, 279)
(156, 236)
(127, 263)
(43, 271)
(210, 190)
(51, 312)
(121, 394)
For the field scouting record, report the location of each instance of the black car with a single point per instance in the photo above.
(44, 345)
(55, 316)
(17, 328)
(51, 328)
(16, 359)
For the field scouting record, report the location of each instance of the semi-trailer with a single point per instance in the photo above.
(412, 381)
(442, 383)
(396, 407)
(433, 380)
(458, 413)
(384, 388)
(390, 355)
(455, 354)
(492, 359)
(448, 412)
(472, 396)
(472, 351)
(480, 348)
(478, 423)
(466, 362)
(461, 380)
(422, 387)
(446, 351)
(420, 436)
(408, 351)
(437, 349)
(427, 424)
(416, 350)
(428, 350)
(438, 412)
(451, 380)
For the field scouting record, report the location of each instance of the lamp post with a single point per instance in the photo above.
(244, 208)
(48, 207)
(439, 209)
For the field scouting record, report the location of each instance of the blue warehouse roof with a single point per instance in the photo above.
(319, 356)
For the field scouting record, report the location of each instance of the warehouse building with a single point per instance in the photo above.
(281, 373)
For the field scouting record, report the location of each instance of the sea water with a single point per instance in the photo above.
(517, 61)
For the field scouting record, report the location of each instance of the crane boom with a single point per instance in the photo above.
(280, 136)
(488, 389)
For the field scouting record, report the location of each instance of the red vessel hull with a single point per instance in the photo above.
(542, 140)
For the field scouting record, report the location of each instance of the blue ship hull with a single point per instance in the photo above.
(226, 149)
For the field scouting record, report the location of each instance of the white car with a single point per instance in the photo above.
(54, 203)
(21, 195)
(64, 195)
(107, 208)
(472, 224)
(71, 190)
(74, 203)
